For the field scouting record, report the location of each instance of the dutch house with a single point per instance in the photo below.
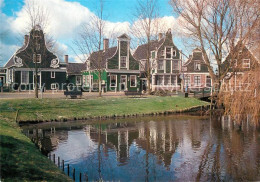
(165, 61)
(120, 71)
(244, 60)
(32, 59)
(195, 72)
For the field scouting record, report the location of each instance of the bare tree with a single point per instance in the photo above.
(145, 28)
(90, 43)
(216, 26)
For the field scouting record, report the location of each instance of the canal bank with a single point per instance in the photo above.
(21, 160)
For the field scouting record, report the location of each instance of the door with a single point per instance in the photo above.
(123, 82)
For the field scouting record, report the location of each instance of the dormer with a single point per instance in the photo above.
(124, 50)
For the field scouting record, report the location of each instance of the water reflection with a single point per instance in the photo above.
(179, 148)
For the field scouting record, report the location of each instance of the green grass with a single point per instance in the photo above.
(20, 160)
(47, 109)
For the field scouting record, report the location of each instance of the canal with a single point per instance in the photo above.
(172, 148)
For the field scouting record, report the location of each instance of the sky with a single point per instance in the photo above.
(67, 17)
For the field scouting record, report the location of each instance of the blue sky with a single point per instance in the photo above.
(68, 15)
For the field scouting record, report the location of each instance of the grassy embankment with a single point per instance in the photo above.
(22, 161)
(50, 109)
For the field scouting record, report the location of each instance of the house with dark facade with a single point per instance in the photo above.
(195, 72)
(165, 61)
(120, 70)
(35, 58)
(243, 62)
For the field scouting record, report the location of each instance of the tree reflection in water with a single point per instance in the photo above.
(179, 148)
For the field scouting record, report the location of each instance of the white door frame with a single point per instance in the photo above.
(122, 83)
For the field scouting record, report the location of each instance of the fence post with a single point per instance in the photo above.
(79, 177)
(73, 174)
(68, 170)
(59, 162)
(54, 158)
(63, 165)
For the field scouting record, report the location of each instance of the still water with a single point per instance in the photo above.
(173, 148)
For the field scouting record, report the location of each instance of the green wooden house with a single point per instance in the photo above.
(21, 67)
(120, 71)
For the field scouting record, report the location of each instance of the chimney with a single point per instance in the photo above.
(66, 59)
(105, 44)
(160, 35)
(26, 39)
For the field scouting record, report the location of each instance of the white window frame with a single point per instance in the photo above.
(187, 80)
(35, 58)
(246, 65)
(195, 63)
(80, 80)
(174, 53)
(54, 86)
(116, 81)
(166, 52)
(27, 81)
(121, 61)
(135, 81)
(152, 54)
(53, 74)
(10, 75)
(162, 65)
(197, 84)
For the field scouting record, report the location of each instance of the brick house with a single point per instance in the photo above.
(195, 72)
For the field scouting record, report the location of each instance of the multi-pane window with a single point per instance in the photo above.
(54, 86)
(153, 55)
(78, 80)
(132, 80)
(197, 80)
(175, 65)
(123, 62)
(113, 81)
(37, 58)
(160, 80)
(24, 77)
(187, 80)
(160, 65)
(168, 52)
(173, 80)
(197, 66)
(167, 80)
(246, 63)
(53, 74)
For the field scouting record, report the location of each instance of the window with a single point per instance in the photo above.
(175, 65)
(143, 65)
(187, 80)
(197, 80)
(153, 54)
(197, 66)
(246, 63)
(88, 80)
(53, 74)
(24, 77)
(54, 86)
(208, 81)
(174, 80)
(113, 80)
(123, 62)
(37, 57)
(78, 80)
(132, 80)
(174, 53)
(167, 80)
(162, 53)
(168, 52)
(160, 65)
(10, 75)
(160, 80)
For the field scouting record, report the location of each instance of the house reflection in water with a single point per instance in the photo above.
(166, 148)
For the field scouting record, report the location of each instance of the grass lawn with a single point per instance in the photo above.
(20, 160)
(47, 109)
